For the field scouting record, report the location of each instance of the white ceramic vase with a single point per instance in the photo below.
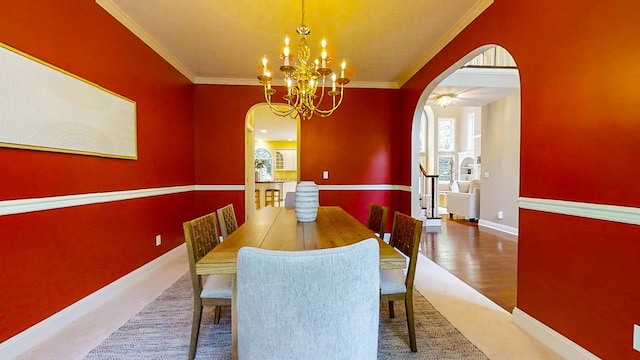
(306, 201)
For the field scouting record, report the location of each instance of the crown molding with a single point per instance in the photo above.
(456, 29)
(130, 24)
(254, 82)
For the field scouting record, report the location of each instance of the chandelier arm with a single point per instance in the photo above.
(327, 112)
(275, 110)
(317, 105)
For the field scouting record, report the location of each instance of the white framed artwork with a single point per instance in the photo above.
(43, 107)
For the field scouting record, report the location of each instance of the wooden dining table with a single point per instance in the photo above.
(276, 228)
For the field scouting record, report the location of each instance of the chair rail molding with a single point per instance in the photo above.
(615, 213)
(19, 206)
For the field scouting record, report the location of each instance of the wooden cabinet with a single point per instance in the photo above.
(286, 159)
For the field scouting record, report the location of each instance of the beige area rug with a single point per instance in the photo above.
(162, 330)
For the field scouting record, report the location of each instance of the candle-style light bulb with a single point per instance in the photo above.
(333, 86)
(286, 51)
(344, 66)
(264, 65)
(324, 53)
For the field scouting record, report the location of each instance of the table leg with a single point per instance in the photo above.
(234, 320)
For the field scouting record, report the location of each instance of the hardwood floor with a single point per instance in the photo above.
(484, 259)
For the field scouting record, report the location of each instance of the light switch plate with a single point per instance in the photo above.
(325, 175)
(636, 337)
(158, 240)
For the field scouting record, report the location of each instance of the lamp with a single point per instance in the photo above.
(303, 80)
(445, 100)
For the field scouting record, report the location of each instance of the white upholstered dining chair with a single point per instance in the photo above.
(316, 304)
(201, 236)
(395, 284)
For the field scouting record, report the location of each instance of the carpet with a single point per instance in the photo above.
(162, 330)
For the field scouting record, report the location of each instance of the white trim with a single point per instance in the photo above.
(622, 214)
(254, 82)
(10, 207)
(566, 348)
(466, 19)
(22, 342)
(495, 226)
(19, 206)
(362, 187)
(110, 7)
(219, 187)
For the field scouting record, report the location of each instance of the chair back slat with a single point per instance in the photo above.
(377, 218)
(201, 236)
(228, 222)
(405, 236)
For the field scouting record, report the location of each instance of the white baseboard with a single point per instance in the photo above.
(499, 227)
(22, 342)
(549, 337)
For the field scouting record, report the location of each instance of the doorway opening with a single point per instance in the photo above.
(272, 146)
(473, 141)
(474, 138)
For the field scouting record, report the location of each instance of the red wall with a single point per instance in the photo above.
(53, 258)
(578, 142)
(579, 129)
(354, 145)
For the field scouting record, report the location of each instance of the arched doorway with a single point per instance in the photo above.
(484, 116)
(481, 263)
(280, 136)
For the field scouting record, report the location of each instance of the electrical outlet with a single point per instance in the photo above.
(325, 174)
(158, 240)
(636, 337)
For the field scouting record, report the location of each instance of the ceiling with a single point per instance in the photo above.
(384, 42)
(223, 41)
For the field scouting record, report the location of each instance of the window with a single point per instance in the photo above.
(445, 168)
(423, 133)
(263, 164)
(446, 134)
(471, 130)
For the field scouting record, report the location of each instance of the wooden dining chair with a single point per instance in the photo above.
(201, 236)
(272, 197)
(257, 198)
(394, 284)
(377, 219)
(326, 302)
(228, 222)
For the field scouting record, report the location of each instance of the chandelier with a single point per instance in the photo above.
(303, 80)
(445, 100)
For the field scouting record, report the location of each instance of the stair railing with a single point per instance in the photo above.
(428, 187)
